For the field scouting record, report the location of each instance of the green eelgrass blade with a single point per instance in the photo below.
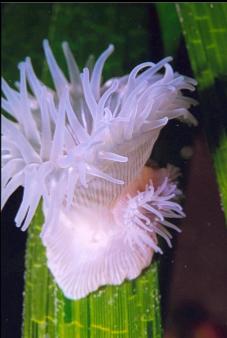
(205, 30)
(132, 309)
(170, 27)
(129, 310)
(220, 164)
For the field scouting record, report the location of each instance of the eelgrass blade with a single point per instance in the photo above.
(170, 27)
(205, 31)
(129, 310)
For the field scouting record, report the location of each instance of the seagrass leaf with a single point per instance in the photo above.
(204, 26)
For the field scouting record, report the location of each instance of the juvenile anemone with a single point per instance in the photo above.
(82, 148)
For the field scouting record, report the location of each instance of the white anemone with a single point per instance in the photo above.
(77, 148)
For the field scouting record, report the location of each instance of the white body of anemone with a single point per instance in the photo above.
(79, 148)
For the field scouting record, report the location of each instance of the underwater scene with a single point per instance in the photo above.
(114, 170)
